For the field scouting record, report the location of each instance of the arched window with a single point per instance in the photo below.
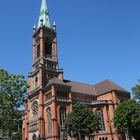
(101, 119)
(38, 50)
(34, 137)
(36, 82)
(35, 108)
(48, 47)
(62, 116)
(49, 122)
(100, 139)
(103, 138)
(106, 138)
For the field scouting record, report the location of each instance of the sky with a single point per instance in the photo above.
(97, 39)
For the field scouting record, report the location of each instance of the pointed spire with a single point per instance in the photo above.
(44, 15)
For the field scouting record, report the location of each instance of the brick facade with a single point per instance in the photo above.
(51, 97)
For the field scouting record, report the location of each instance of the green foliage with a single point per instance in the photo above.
(82, 119)
(127, 118)
(136, 91)
(13, 91)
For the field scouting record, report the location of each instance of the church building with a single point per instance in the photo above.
(51, 96)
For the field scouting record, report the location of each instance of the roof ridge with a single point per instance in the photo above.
(107, 80)
(79, 83)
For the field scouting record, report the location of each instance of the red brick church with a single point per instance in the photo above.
(51, 96)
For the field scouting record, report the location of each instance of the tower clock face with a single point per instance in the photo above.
(35, 108)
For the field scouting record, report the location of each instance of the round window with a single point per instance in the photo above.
(35, 108)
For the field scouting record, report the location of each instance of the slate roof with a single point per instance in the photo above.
(81, 88)
(96, 90)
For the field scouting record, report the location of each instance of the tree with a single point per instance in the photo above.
(136, 91)
(127, 119)
(81, 120)
(13, 91)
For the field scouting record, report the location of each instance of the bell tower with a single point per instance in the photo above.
(45, 58)
(44, 68)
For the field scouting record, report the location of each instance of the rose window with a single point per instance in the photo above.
(35, 108)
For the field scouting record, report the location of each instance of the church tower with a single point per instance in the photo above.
(45, 57)
(44, 68)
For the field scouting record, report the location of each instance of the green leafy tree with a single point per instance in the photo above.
(81, 120)
(136, 91)
(13, 91)
(127, 119)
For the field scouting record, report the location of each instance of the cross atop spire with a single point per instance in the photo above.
(44, 15)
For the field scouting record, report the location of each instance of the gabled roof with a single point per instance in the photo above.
(77, 87)
(95, 90)
(106, 86)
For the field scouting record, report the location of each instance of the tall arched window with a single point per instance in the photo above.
(62, 116)
(48, 47)
(49, 121)
(36, 82)
(34, 137)
(101, 119)
(38, 50)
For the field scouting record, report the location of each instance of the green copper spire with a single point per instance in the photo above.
(44, 15)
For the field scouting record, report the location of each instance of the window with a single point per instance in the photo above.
(34, 108)
(36, 82)
(101, 119)
(62, 94)
(48, 48)
(34, 137)
(48, 96)
(38, 50)
(91, 137)
(49, 117)
(62, 116)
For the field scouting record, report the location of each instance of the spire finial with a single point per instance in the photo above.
(34, 26)
(44, 15)
(54, 24)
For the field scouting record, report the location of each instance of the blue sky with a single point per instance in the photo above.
(97, 39)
